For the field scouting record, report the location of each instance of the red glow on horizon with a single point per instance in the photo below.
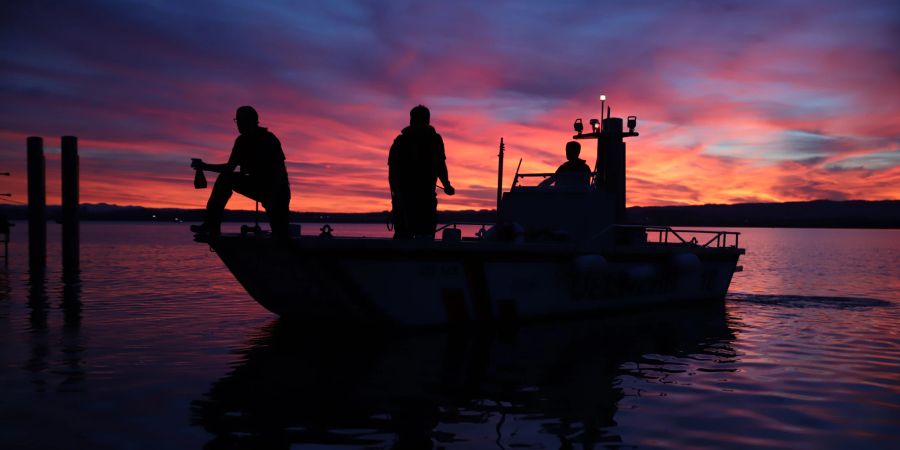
(346, 169)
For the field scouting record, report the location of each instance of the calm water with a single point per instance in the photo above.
(158, 347)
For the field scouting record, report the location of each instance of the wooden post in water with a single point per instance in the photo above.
(70, 225)
(37, 204)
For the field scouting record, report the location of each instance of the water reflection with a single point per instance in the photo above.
(38, 308)
(5, 294)
(563, 380)
(71, 341)
(71, 301)
(39, 362)
(38, 305)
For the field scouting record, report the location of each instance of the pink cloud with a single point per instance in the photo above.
(749, 104)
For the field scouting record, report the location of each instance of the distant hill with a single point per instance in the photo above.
(813, 214)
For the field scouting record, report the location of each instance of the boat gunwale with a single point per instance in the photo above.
(362, 245)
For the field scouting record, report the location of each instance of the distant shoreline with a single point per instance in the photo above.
(884, 214)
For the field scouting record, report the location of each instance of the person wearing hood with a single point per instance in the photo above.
(415, 162)
(572, 175)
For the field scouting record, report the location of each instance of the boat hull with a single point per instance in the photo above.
(433, 283)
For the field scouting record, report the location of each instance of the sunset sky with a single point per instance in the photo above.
(736, 101)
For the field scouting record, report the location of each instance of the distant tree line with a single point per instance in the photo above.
(813, 214)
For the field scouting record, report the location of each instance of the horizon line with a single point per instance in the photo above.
(25, 205)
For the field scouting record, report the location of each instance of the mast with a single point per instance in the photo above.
(610, 167)
(499, 177)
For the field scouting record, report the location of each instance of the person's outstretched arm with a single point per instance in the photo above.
(442, 170)
(548, 182)
(218, 168)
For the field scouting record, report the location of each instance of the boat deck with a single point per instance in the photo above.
(343, 246)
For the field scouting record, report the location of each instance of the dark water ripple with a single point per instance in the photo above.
(803, 301)
(156, 346)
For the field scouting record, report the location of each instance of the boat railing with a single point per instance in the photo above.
(669, 235)
(519, 176)
(483, 226)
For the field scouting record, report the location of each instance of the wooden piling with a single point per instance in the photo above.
(70, 220)
(37, 204)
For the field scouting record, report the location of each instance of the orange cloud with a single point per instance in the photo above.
(736, 104)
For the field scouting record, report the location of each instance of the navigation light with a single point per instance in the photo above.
(595, 124)
(632, 122)
(579, 127)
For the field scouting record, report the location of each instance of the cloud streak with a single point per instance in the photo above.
(774, 101)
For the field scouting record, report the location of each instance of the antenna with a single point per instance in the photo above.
(500, 176)
(516, 178)
(602, 107)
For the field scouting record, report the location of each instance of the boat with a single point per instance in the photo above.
(552, 252)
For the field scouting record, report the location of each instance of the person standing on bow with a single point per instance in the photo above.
(262, 176)
(416, 161)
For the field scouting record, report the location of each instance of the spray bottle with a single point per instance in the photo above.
(199, 178)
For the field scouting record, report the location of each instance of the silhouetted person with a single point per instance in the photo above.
(262, 176)
(572, 175)
(416, 161)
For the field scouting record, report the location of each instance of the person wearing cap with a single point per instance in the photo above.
(415, 162)
(262, 176)
(572, 175)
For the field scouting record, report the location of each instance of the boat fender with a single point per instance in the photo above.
(685, 262)
(642, 272)
(590, 264)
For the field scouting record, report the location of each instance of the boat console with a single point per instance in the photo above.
(589, 214)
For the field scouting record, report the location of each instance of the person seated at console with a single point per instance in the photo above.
(572, 175)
